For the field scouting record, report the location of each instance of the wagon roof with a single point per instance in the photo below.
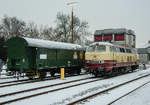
(51, 44)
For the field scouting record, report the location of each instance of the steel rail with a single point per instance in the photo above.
(128, 93)
(106, 90)
(32, 81)
(42, 87)
(46, 92)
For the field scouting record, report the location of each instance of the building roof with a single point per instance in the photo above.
(114, 31)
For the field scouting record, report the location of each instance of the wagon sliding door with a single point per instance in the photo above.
(32, 57)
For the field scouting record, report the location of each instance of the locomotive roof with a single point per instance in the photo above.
(101, 43)
(51, 44)
(108, 44)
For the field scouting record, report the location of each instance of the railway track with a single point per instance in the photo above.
(26, 81)
(13, 81)
(3, 78)
(128, 93)
(45, 92)
(19, 82)
(109, 89)
(50, 91)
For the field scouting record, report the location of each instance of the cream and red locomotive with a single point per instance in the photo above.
(104, 58)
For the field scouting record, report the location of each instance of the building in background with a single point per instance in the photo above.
(121, 36)
(144, 53)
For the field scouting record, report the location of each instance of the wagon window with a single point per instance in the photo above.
(91, 49)
(101, 48)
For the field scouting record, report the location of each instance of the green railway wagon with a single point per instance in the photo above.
(36, 57)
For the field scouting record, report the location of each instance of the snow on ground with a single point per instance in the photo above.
(9, 89)
(71, 94)
(106, 98)
(138, 97)
(68, 95)
(4, 67)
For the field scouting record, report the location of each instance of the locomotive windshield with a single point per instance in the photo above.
(91, 49)
(100, 48)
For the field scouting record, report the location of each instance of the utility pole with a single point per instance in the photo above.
(72, 26)
(72, 4)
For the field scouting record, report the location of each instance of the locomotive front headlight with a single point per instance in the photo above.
(102, 61)
(86, 61)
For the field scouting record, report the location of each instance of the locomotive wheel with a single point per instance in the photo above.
(95, 73)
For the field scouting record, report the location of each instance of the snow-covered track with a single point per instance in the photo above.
(13, 81)
(20, 82)
(33, 89)
(106, 90)
(128, 93)
(26, 81)
(6, 77)
(45, 92)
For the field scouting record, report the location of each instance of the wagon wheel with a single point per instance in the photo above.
(78, 71)
(52, 73)
(42, 75)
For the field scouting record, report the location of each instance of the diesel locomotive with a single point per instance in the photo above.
(36, 57)
(106, 59)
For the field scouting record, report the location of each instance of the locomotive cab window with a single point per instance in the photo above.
(91, 49)
(113, 49)
(101, 48)
(118, 49)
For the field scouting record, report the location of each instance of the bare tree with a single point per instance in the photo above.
(11, 26)
(63, 27)
(47, 32)
(31, 30)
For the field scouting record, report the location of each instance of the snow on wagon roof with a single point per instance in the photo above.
(51, 44)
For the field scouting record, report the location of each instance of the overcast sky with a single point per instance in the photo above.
(100, 14)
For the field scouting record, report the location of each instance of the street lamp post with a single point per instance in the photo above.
(72, 4)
